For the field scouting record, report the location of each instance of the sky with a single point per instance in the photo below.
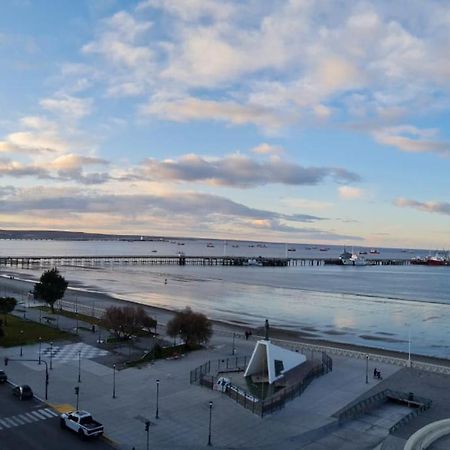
(273, 120)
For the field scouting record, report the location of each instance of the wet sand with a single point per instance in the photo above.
(12, 285)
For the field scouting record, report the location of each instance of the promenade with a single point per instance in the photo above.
(306, 422)
(183, 409)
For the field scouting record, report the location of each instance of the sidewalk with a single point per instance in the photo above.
(184, 408)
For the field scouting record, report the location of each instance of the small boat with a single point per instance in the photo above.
(209, 244)
(253, 262)
(352, 259)
(363, 252)
(324, 249)
(374, 251)
(154, 251)
(292, 249)
(180, 243)
(307, 248)
(235, 246)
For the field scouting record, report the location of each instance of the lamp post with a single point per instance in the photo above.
(114, 381)
(147, 429)
(21, 343)
(51, 355)
(210, 419)
(40, 344)
(76, 312)
(46, 371)
(157, 400)
(367, 369)
(234, 347)
(77, 393)
(79, 366)
(409, 346)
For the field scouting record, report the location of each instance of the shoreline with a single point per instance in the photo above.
(100, 300)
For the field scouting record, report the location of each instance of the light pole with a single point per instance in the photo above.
(409, 346)
(76, 312)
(147, 429)
(210, 418)
(367, 369)
(40, 344)
(51, 355)
(46, 371)
(234, 347)
(157, 400)
(21, 343)
(114, 381)
(79, 366)
(77, 393)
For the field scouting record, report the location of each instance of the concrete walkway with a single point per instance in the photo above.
(184, 408)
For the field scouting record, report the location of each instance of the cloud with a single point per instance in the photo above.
(190, 10)
(412, 139)
(430, 207)
(130, 65)
(350, 192)
(190, 108)
(70, 107)
(267, 149)
(241, 171)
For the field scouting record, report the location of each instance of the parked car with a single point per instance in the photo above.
(23, 392)
(3, 377)
(82, 423)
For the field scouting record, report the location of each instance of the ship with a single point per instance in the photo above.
(352, 259)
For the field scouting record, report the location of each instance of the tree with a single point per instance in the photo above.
(51, 287)
(194, 328)
(126, 321)
(7, 305)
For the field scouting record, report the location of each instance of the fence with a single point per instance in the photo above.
(361, 407)
(202, 375)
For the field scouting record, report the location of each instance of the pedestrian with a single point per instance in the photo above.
(246, 335)
(375, 372)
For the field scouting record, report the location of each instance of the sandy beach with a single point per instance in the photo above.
(88, 302)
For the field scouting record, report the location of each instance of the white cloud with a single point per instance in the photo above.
(267, 149)
(70, 107)
(350, 192)
(412, 139)
(430, 207)
(190, 108)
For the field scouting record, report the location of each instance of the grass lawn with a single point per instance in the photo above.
(72, 315)
(31, 332)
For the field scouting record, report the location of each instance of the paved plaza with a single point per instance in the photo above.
(123, 400)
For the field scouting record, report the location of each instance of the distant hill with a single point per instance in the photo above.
(70, 235)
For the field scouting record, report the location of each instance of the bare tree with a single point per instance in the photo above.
(127, 320)
(194, 328)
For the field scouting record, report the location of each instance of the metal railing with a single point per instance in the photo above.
(202, 375)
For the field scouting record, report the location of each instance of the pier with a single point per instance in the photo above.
(180, 260)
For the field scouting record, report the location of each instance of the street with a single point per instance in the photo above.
(30, 424)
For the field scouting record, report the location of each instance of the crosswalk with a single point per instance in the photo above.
(72, 352)
(26, 418)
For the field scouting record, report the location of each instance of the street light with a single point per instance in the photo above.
(210, 417)
(409, 346)
(234, 347)
(157, 400)
(114, 381)
(21, 343)
(34, 360)
(147, 429)
(367, 369)
(51, 355)
(79, 366)
(40, 344)
(77, 393)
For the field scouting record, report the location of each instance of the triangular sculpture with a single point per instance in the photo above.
(269, 362)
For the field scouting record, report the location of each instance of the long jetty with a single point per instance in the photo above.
(180, 260)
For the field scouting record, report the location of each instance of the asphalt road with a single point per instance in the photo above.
(30, 424)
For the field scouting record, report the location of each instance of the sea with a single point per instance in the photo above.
(383, 306)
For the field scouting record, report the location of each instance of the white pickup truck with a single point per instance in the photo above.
(82, 423)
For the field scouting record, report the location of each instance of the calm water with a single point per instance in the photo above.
(372, 305)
